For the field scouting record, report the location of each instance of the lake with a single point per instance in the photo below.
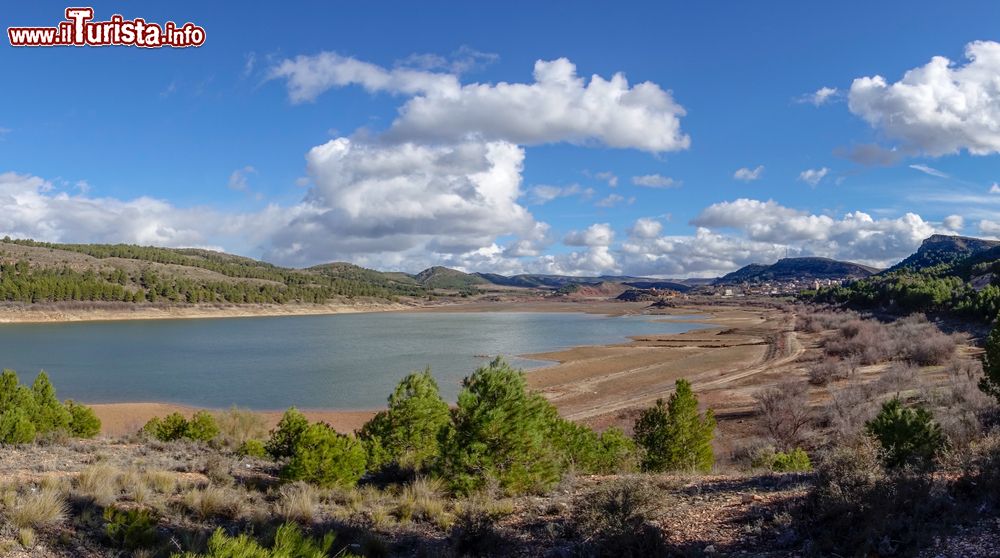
(345, 361)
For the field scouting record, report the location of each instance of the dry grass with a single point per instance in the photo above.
(240, 425)
(99, 483)
(297, 502)
(40, 508)
(214, 501)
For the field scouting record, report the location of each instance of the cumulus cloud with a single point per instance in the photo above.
(856, 236)
(821, 96)
(813, 177)
(938, 108)
(929, 170)
(953, 223)
(988, 227)
(747, 174)
(645, 227)
(558, 106)
(655, 181)
(376, 202)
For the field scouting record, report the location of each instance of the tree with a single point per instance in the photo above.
(283, 438)
(674, 436)
(83, 422)
(324, 457)
(407, 432)
(49, 413)
(990, 382)
(502, 432)
(906, 434)
(784, 411)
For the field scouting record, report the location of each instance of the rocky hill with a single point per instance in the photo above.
(788, 269)
(944, 249)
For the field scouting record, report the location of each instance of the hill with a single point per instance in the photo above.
(788, 269)
(558, 281)
(439, 277)
(944, 249)
(45, 272)
(947, 274)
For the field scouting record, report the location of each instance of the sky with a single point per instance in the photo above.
(666, 139)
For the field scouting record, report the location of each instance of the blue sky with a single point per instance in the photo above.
(326, 131)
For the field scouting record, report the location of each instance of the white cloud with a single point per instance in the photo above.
(598, 234)
(558, 106)
(544, 193)
(747, 174)
(609, 177)
(645, 227)
(813, 177)
(463, 60)
(938, 108)
(238, 179)
(953, 223)
(613, 200)
(383, 203)
(995, 188)
(856, 236)
(991, 228)
(929, 170)
(655, 181)
(821, 96)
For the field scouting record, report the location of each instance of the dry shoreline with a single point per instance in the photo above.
(597, 385)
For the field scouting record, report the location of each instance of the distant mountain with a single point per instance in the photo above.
(559, 281)
(944, 249)
(439, 277)
(787, 269)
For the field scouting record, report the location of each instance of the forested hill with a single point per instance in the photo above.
(948, 274)
(798, 268)
(43, 272)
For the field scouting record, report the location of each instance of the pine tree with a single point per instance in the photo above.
(990, 382)
(49, 413)
(674, 435)
(907, 434)
(407, 432)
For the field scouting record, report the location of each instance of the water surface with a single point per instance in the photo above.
(346, 361)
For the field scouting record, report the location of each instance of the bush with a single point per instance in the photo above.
(907, 435)
(990, 382)
(501, 433)
(289, 542)
(796, 460)
(283, 438)
(588, 452)
(252, 448)
(26, 413)
(237, 426)
(785, 414)
(675, 436)
(827, 371)
(202, 427)
(83, 422)
(326, 458)
(618, 518)
(406, 434)
(130, 529)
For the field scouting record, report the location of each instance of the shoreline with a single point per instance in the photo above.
(593, 384)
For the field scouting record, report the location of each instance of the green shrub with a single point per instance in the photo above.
(907, 435)
(49, 413)
(674, 436)
(130, 529)
(284, 437)
(168, 429)
(83, 422)
(407, 432)
(252, 448)
(202, 427)
(326, 458)
(16, 427)
(796, 460)
(502, 433)
(588, 452)
(289, 542)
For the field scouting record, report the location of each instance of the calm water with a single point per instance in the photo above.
(346, 361)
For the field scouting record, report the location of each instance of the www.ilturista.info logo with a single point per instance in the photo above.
(79, 29)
